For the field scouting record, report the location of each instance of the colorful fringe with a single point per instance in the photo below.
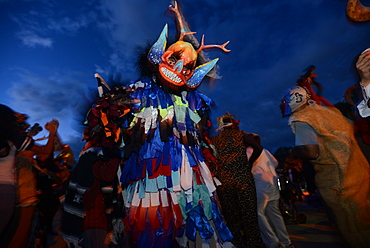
(168, 188)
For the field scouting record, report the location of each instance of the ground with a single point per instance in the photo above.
(317, 232)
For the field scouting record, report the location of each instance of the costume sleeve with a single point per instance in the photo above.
(304, 134)
(106, 171)
(363, 109)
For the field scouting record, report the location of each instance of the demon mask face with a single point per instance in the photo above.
(177, 64)
(295, 98)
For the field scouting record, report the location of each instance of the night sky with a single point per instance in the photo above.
(50, 51)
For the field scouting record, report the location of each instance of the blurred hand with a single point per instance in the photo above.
(363, 67)
(44, 172)
(52, 126)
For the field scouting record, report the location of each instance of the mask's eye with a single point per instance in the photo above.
(172, 60)
(186, 71)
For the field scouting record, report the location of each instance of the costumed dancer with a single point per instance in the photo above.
(325, 137)
(238, 191)
(168, 189)
(93, 207)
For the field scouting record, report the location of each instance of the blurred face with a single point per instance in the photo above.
(8, 128)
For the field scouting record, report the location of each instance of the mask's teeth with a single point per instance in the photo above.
(172, 76)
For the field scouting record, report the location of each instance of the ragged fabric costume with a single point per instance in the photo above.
(168, 190)
(342, 171)
(167, 182)
(325, 137)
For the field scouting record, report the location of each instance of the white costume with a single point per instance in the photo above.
(270, 220)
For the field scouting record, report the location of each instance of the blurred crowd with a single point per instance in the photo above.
(33, 177)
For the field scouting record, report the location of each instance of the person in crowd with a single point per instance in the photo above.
(294, 171)
(8, 132)
(28, 198)
(48, 203)
(87, 219)
(65, 158)
(358, 95)
(363, 68)
(238, 192)
(309, 175)
(325, 137)
(271, 223)
(21, 173)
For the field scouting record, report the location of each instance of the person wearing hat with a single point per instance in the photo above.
(325, 137)
(238, 192)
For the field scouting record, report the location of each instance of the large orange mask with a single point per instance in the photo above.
(177, 64)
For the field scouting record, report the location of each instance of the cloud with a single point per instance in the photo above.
(33, 40)
(53, 93)
(45, 96)
(67, 25)
(127, 26)
(44, 19)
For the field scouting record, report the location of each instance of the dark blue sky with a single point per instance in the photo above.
(50, 51)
